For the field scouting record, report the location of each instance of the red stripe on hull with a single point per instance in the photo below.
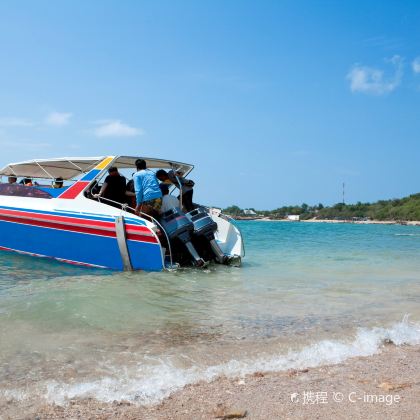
(58, 226)
(79, 229)
(73, 220)
(74, 190)
(142, 238)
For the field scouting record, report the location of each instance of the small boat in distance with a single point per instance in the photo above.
(69, 224)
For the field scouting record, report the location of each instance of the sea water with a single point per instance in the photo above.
(307, 294)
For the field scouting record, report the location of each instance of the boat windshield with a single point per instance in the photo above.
(19, 190)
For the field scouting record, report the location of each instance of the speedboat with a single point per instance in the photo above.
(71, 224)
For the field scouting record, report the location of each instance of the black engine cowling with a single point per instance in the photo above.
(180, 229)
(204, 229)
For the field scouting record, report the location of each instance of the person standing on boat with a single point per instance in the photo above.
(168, 201)
(147, 190)
(185, 186)
(12, 179)
(113, 188)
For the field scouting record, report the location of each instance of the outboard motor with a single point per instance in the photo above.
(205, 227)
(178, 227)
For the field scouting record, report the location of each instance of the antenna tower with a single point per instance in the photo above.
(343, 193)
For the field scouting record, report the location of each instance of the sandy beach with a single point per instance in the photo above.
(386, 385)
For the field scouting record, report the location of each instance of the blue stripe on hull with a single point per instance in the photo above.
(89, 249)
(91, 175)
(145, 256)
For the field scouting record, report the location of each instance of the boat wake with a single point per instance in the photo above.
(149, 384)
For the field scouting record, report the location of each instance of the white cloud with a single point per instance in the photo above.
(374, 81)
(116, 128)
(416, 65)
(15, 122)
(58, 118)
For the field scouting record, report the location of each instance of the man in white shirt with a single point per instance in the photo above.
(185, 186)
(168, 201)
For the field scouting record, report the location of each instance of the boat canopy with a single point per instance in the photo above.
(72, 167)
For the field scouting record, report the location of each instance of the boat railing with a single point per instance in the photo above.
(126, 207)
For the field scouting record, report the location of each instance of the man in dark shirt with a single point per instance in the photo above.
(113, 188)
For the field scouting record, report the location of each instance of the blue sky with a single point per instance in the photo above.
(275, 102)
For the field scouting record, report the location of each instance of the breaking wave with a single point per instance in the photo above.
(150, 384)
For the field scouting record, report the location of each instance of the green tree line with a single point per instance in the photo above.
(404, 209)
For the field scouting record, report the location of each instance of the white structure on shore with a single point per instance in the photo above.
(249, 212)
(293, 217)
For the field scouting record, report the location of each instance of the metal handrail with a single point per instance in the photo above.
(179, 185)
(124, 207)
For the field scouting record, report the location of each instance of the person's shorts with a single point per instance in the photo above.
(155, 204)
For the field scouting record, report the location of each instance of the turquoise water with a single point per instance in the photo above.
(307, 294)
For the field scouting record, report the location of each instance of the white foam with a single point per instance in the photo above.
(151, 383)
(14, 394)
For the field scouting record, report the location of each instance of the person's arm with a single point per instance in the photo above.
(138, 188)
(175, 179)
(101, 192)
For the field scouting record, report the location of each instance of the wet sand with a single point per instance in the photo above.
(386, 385)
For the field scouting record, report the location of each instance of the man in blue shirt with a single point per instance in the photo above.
(146, 187)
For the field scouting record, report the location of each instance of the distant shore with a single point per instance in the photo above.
(367, 222)
(386, 385)
(360, 222)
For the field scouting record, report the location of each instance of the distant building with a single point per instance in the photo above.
(293, 217)
(249, 212)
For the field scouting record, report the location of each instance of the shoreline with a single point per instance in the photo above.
(385, 385)
(355, 222)
(367, 222)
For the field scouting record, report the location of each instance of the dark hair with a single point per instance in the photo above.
(140, 164)
(160, 173)
(112, 169)
(164, 188)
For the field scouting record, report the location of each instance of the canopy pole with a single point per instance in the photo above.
(44, 170)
